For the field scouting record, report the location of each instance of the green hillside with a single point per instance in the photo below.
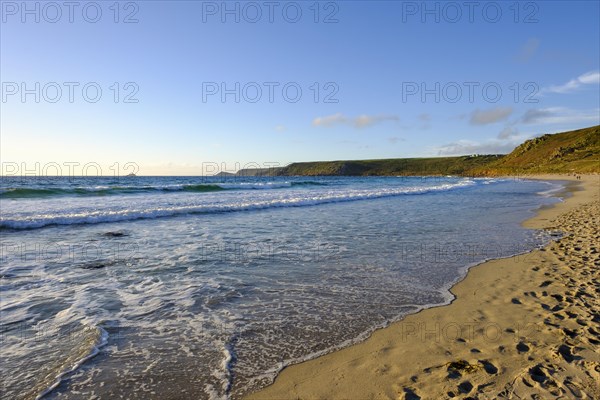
(398, 166)
(567, 152)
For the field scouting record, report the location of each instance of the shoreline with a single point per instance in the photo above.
(481, 343)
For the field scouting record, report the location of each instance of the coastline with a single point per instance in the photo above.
(519, 326)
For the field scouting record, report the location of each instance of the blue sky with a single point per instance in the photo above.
(371, 62)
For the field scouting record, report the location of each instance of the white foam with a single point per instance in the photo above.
(249, 185)
(70, 368)
(555, 188)
(242, 203)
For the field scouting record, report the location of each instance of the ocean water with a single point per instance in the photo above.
(203, 288)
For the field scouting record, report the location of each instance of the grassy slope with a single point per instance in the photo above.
(401, 166)
(567, 152)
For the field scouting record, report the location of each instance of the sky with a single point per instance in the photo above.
(198, 87)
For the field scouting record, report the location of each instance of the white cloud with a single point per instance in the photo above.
(329, 120)
(510, 137)
(589, 78)
(362, 121)
(466, 147)
(280, 128)
(484, 117)
(560, 115)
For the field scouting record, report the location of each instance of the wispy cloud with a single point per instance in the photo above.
(362, 121)
(508, 132)
(395, 139)
(329, 120)
(484, 117)
(589, 78)
(425, 117)
(280, 128)
(466, 147)
(528, 50)
(367, 120)
(560, 115)
(424, 121)
(508, 138)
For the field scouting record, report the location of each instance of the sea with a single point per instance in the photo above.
(206, 287)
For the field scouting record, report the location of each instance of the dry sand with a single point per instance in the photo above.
(526, 327)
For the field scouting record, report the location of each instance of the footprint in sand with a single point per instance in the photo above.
(559, 316)
(409, 394)
(581, 322)
(542, 375)
(489, 367)
(593, 341)
(537, 374)
(570, 333)
(567, 353)
(465, 387)
(573, 388)
(522, 348)
(571, 315)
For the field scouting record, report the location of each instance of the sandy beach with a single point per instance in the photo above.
(521, 327)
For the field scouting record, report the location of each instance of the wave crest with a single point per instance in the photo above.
(295, 199)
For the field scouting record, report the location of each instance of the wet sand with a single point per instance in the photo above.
(521, 327)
